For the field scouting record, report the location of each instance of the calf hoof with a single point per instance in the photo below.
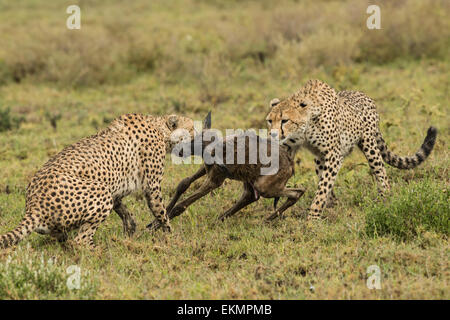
(130, 228)
(167, 227)
(222, 217)
(156, 225)
(153, 226)
(273, 216)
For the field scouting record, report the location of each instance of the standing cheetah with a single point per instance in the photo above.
(330, 124)
(78, 187)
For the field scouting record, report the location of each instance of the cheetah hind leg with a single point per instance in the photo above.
(85, 236)
(373, 156)
(129, 224)
(60, 236)
(88, 228)
(332, 200)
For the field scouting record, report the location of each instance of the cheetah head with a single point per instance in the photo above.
(182, 129)
(294, 114)
(191, 146)
(178, 129)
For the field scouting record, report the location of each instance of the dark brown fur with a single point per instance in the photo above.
(255, 184)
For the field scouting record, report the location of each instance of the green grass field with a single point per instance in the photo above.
(188, 57)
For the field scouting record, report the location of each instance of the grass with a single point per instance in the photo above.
(232, 58)
(8, 122)
(31, 276)
(413, 209)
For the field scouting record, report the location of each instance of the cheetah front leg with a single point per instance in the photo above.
(129, 224)
(156, 205)
(331, 202)
(332, 164)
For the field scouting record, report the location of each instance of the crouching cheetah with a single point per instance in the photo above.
(78, 187)
(330, 124)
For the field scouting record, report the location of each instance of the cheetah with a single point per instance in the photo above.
(330, 124)
(80, 186)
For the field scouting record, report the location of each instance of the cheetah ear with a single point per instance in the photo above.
(207, 121)
(274, 102)
(319, 84)
(172, 122)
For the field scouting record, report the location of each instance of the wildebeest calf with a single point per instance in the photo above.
(255, 183)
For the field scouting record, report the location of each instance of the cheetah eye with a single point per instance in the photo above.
(269, 121)
(284, 121)
(302, 104)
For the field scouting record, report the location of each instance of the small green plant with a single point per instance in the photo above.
(410, 210)
(9, 121)
(53, 118)
(28, 275)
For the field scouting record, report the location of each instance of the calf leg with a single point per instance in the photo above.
(184, 185)
(247, 197)
(208, 185)
(292, 194)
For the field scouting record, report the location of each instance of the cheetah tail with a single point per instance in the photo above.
(13, 237)
(412, 161)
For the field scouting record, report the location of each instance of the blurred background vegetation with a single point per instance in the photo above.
(194, 39)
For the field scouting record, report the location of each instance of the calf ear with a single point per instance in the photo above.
(274, 102)
(172, 122)
(207, 121)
